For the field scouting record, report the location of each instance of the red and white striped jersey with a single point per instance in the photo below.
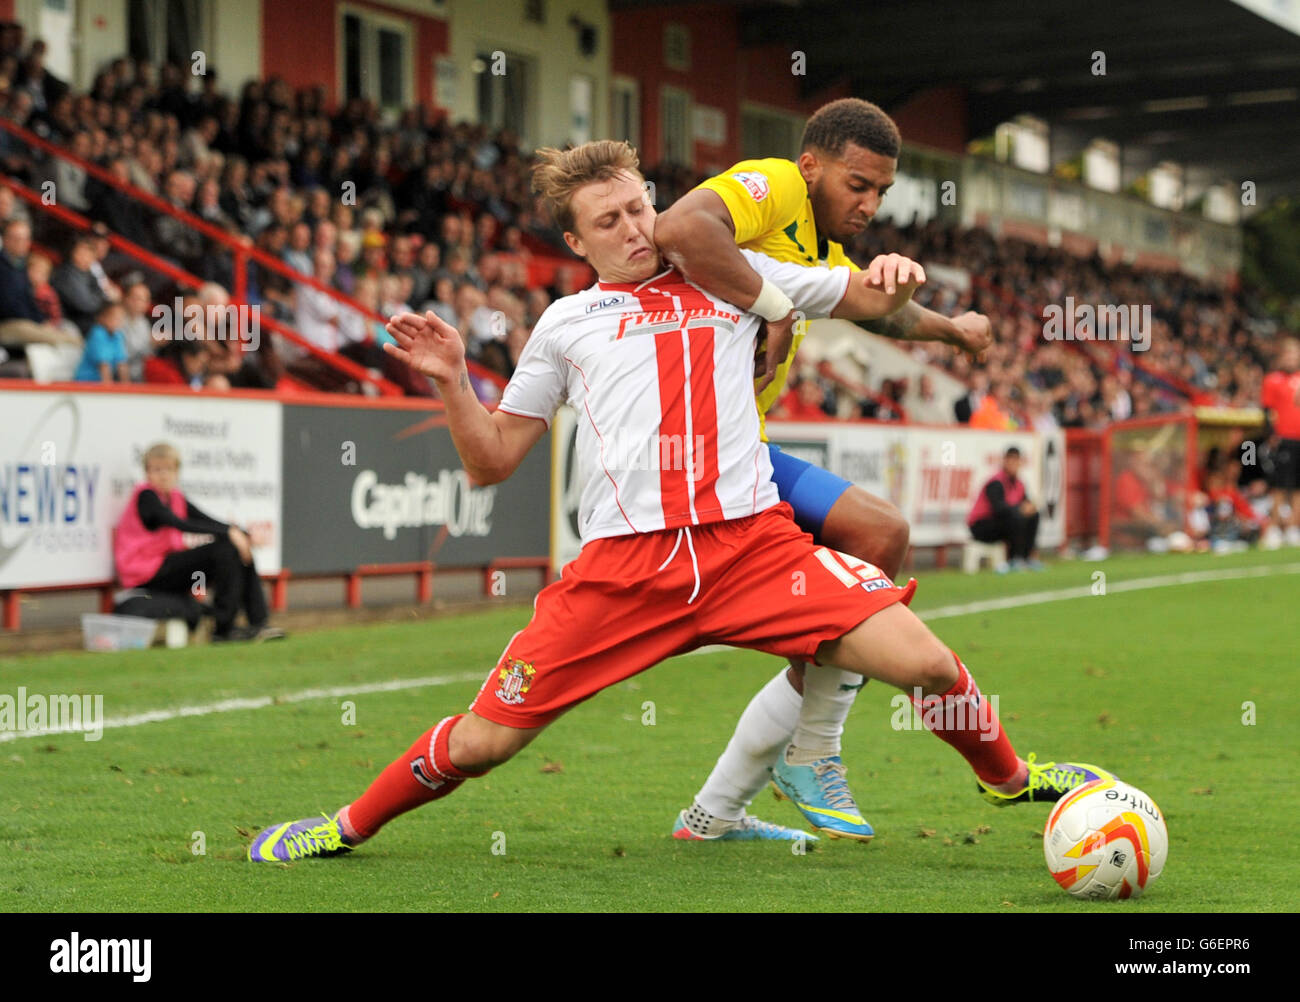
(662, 377)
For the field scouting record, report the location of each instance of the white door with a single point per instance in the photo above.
(57, 20)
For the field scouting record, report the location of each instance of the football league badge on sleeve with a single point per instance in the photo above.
(755, 183)
(515, 677)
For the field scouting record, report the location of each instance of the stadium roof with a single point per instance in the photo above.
(1206, 83)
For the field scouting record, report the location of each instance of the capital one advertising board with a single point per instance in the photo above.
(373, 485)
(69, 462)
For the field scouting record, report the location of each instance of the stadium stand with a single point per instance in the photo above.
(442, 219)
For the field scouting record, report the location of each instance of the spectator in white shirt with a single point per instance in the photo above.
(138, 328)
(298, 255)
(924, 407)
(317, 314)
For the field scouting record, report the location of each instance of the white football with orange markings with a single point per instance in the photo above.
(1105, 840)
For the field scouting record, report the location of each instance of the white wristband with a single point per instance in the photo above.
(772, 304)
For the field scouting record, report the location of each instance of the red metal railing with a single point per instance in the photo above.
(137, 253)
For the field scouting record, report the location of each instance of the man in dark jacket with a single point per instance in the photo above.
(21, 320)
(174, 238)
(77, 286)
(117, 209)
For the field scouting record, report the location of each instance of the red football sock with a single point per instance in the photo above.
(967, 720)
(422, 774)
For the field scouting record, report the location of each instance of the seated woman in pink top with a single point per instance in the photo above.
(149, 551)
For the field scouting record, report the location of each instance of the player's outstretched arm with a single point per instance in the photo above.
(971, 332)
(491, 444)
(882, 289)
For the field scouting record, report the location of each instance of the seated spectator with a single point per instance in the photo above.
(924, 407)
(1004, 514)
(149, 551)
(11, 208)
(345, 272)
(444, 294)
(235, 357)
(21, 319)
(207, 206)
(316, 315)
(78, 288)
(803, 401)
(104, 257)
(70, 179)
(427, 268)
(47, 300)
(180, 363)
(1228, 522)
(105, 358)
(366, 338)
(174, 238)
(298, 255)
(1146, 507)
(138, 328)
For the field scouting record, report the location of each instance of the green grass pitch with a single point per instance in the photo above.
(1149, 683)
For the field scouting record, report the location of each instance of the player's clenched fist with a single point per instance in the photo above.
(427, 344)
(974, 334)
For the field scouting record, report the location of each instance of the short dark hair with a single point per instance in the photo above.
(851, 120)
(1013, 451)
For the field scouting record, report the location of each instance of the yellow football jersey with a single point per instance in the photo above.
(773, 215)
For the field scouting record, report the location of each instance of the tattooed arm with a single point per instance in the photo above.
(971, 332)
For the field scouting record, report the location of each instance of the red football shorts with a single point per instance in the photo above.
(629, 602)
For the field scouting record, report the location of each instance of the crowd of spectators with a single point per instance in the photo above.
(423, 214)
(417, 214)
(1203, 340)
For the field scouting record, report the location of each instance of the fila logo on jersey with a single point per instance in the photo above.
(515, 677)
(421, 773)
(605, 304)
(754, 182)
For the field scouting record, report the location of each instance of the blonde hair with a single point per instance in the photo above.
(559, 173)
(162, 451)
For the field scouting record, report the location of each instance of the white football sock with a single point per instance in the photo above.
(744, 767)
(828, 696)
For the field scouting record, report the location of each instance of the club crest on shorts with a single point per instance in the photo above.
(515, 677)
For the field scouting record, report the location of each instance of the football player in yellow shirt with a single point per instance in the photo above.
(803, 211)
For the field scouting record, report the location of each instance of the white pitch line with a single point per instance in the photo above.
(1085, 591)
(396, 685)
(1082, 591)
(246, 703)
